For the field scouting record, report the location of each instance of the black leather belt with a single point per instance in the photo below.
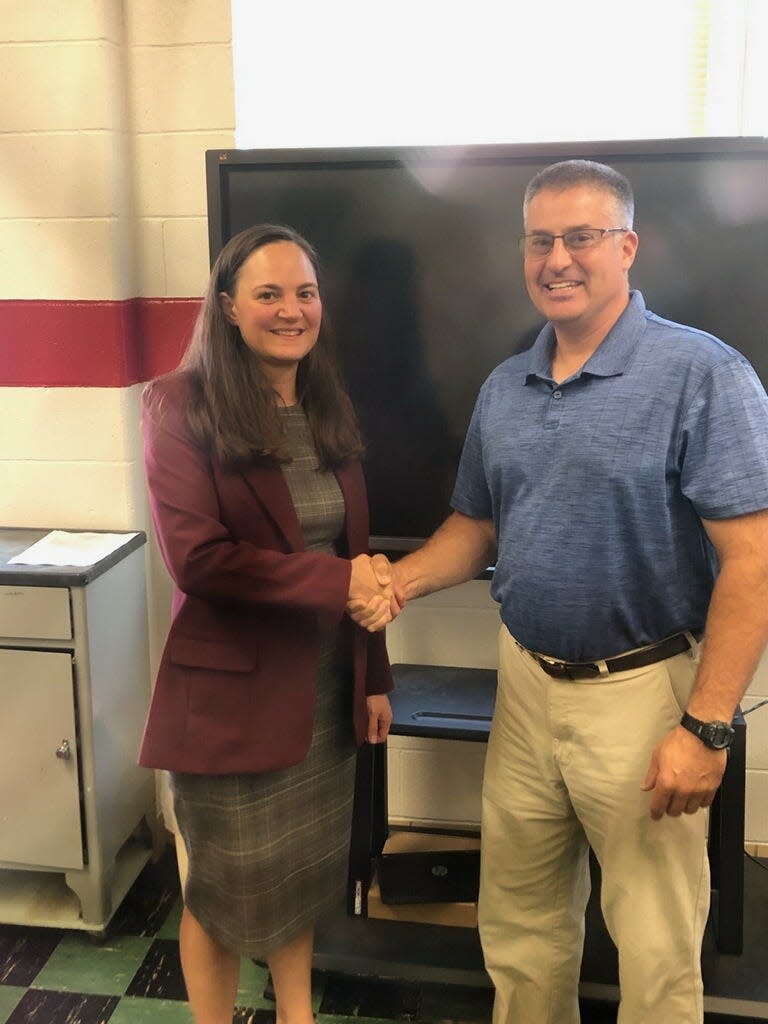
(676, 644)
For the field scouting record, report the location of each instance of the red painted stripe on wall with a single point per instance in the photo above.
(45, 343)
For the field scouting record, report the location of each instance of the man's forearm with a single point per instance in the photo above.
(736, 635)
(737, 623)
(459, 550)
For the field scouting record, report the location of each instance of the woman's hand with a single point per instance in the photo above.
(379, 717)
(369, 603)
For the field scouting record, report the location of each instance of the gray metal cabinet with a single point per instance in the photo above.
(77, 815)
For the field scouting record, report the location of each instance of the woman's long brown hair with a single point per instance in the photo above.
(233, 413)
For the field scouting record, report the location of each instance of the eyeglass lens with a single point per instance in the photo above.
(581, 238)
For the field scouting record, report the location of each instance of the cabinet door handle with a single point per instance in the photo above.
(63, 750)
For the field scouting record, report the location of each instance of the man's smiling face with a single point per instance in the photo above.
(587, 289)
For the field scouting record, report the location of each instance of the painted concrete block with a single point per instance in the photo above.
(60, 175)
(757, 734)
(64, 259)
(756, 827)
(88, 424)
(759, 685)
(170, 172)
(150, 257)
(70, 495)
(181, 88)
(172, 257)
(177, 21)
(60, 87)
(39, 20)
(185, 252)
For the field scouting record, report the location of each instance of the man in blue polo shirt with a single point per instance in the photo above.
(617, 473)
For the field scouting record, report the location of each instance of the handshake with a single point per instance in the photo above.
(375, 597)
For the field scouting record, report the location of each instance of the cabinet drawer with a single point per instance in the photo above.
(38, 613)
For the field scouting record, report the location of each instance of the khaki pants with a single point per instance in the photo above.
(563, 772)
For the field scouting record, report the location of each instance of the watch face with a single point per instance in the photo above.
(717, 735)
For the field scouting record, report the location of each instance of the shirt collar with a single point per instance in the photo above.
(612, 355)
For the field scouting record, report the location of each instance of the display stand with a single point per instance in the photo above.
(457, 704)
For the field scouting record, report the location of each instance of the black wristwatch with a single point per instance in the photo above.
(715, 735)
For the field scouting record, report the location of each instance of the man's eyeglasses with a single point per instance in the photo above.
(541, 244)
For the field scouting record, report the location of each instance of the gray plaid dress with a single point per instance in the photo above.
(268, 852)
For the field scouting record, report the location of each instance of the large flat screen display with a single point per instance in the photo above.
(422, 279)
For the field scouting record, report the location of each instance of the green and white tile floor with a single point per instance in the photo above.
(133, 976)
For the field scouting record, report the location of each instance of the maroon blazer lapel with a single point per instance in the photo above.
(352, 483)
(268, 485)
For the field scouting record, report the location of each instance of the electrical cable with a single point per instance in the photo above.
(756, 860)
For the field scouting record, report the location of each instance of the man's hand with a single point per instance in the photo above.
(379, 717)
(387, 575)
(684, 775)
(460, 549)
(369, 603)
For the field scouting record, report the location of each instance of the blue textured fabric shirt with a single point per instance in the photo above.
(597, 486)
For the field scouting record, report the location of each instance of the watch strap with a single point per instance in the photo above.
(715, 735)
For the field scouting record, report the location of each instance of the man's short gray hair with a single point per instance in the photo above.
(571, 173)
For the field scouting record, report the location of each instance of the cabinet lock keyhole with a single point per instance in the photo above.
(63, 750)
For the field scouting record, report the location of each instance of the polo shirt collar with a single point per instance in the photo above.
(612, 355)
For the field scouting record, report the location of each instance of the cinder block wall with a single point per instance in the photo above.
(68, 456)
(108, 108)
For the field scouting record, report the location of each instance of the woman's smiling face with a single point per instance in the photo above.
(276, 304)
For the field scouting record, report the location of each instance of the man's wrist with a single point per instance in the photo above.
(715, 735)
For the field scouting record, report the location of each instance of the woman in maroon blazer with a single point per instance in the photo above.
(266, 685)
